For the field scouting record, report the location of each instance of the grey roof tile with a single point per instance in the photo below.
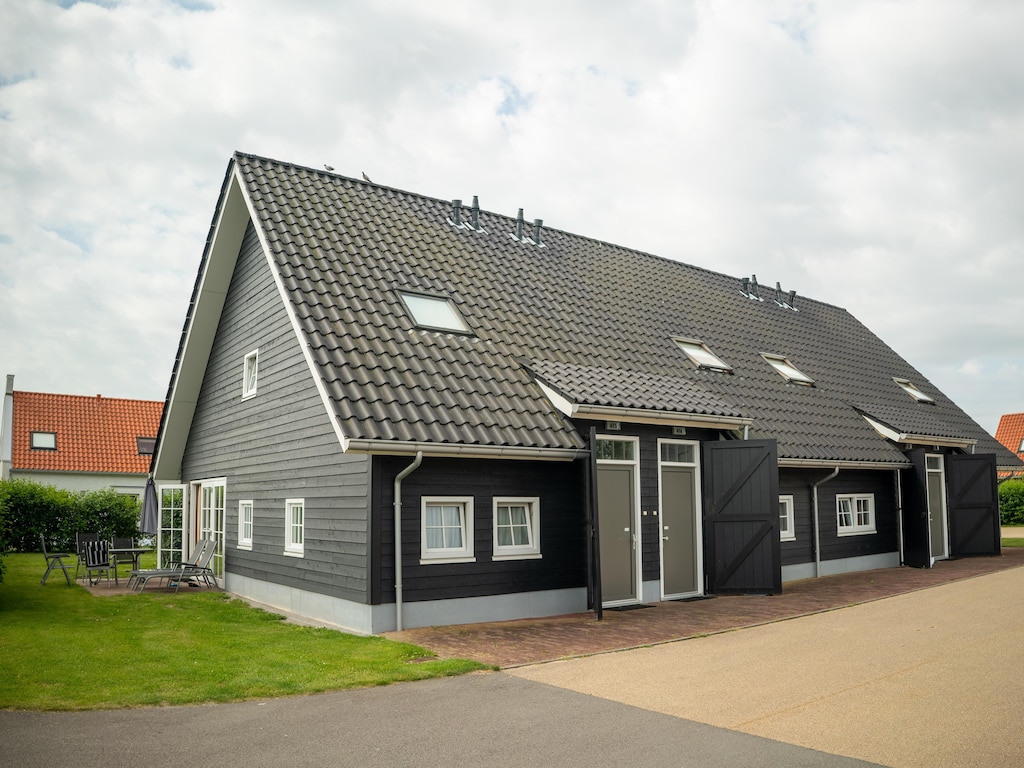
(593, 319)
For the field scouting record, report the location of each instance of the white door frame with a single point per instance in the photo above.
(941, 472)
(698, 523)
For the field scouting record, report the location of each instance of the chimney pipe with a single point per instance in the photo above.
(457, 212)
(745, 285)
(792, 300)
(754, 290)
(537, 224)
(474, 216)
(519, 225)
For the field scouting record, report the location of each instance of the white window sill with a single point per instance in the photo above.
(855, 533)
(245, 546)
(787, 538)
(294, 553)
(517, 556)
(441, 560)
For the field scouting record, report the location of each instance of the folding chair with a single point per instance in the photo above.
(97, 561)
(55, 560)
(80, 541)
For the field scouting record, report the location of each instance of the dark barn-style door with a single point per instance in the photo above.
(916, 535)
(741, 508)
(973, 504)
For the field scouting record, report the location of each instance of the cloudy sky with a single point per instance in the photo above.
(867, 154)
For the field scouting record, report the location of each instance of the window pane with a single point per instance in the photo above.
(677, 452)
(433, 313)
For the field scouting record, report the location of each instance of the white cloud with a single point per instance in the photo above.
(866, 154)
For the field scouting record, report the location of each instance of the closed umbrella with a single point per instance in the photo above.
(150, 522)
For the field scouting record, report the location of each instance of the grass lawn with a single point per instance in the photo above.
(63, 649)
(1012, 542)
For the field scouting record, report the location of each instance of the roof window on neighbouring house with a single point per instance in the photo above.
(146, 445)
(787, 370)
(434, 313)
(913, 391)
(44, 441)
(701, 356)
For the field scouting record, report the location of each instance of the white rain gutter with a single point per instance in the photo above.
(817, 534)
(398, 536)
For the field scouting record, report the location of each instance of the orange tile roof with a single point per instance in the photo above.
(94, 434)
(1011, 432)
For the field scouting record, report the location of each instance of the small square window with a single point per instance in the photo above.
(855, 514)
(913, 391)
(249, 374)
(787, 370)
(446, 530)
(434, 313)
(678, 453)
(701, 356)
(245, 524)
(294, 524)
(146, 445)
(615, 450)
(44, 441)
(516, 528)
(786, 530)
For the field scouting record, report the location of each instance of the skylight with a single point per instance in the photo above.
(701, 356)
(913, 391)
(434, 313)
(788, 371)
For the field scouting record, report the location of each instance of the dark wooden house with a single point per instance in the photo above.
(395, 410)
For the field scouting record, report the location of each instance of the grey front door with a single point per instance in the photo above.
(679, 540)
(936, 505)
(616, 491)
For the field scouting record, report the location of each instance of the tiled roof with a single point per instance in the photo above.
(94, 434)
(593, 320)
(1010, 432)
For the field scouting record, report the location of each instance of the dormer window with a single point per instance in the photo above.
(44, 441)
(701, 356)
(146, 445)
(787, 370)
(434, 313)
(913, 391)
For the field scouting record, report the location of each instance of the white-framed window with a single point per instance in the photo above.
(245, 524)
(446, 529)
(787, 531)
(787, 370)
(249, 373)
(516, 528)
(700, 355)
(855, 514)
(611, 449)
(294, 526)
(43, 441)
(913, 391)
(434, 313)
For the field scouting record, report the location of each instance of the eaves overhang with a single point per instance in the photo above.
(464, 450)
(846, 464)
(908, 438)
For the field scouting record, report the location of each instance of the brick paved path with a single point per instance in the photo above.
(529, 641)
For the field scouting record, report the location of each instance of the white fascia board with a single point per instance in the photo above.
(461, 450)
(908, 438)
(821, 464)
(213, 282)
(300, 335)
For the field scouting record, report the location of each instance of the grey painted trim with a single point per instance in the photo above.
(300, 336)
(463, 451)
(844, 565)
(374, 619)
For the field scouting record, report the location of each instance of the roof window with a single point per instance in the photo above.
(701, 356)
(787, 370)
(434, 313)
(146, 445)
(913, 391)
(44, 441)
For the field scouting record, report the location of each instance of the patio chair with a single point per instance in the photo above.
(80, 541)
(55, 560)
(197, 566)
(124, 557)
(97, 561)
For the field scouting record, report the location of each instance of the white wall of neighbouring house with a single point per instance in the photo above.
(86, 481)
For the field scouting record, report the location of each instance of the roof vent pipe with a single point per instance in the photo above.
(457, 213)
(754, 290)
(791, 301)
(745, 285)
(519, 225)
(537, 224)
(474, 214)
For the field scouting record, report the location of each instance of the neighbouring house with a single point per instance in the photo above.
(76, 442)
(393, 411)
(1010, 433)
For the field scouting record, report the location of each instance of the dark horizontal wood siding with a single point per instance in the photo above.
(559, 485)
(800, 483)
(277, 445)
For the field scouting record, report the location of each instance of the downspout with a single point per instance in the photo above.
(817, 533)
(398, 536)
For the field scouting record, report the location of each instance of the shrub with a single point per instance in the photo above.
(29, 509)
(1011, 502)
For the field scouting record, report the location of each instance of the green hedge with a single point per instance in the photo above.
(28, 509)
(1011, 502)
